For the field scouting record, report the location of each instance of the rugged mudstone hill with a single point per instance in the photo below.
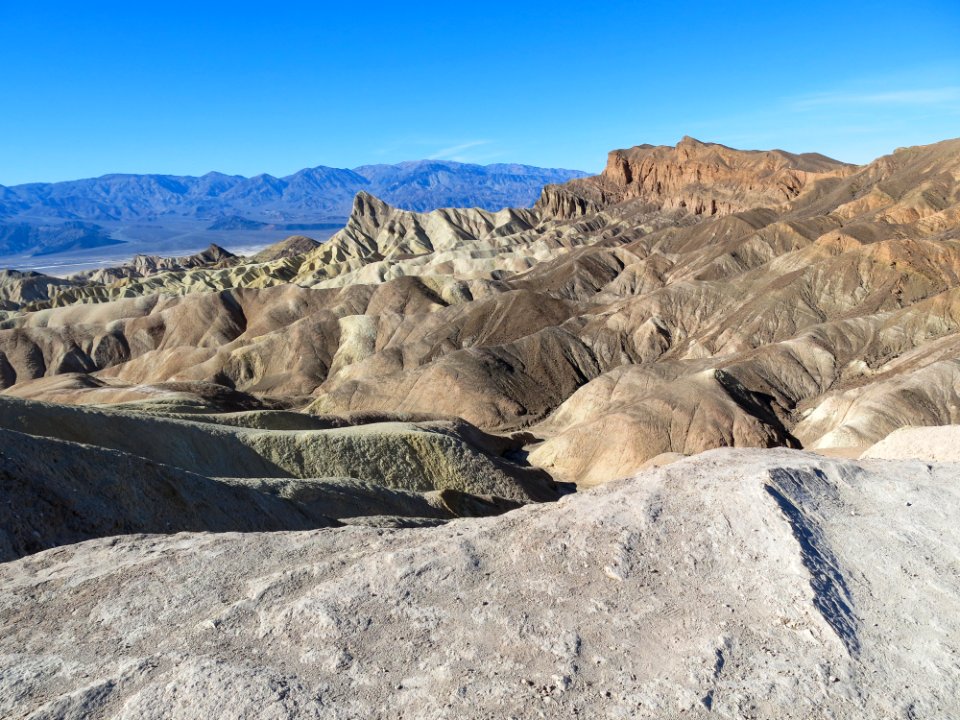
(69, 473)
(690, 297)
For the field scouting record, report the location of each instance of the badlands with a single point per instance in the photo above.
(356, 478)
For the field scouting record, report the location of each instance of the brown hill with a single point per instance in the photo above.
(696, 177)
(700, 297)
(291, 247)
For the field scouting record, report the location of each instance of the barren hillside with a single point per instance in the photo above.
(337, 479)
(687, 298)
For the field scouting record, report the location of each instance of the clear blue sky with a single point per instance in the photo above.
(96, 87)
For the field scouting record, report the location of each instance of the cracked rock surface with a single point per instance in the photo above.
(738, 583)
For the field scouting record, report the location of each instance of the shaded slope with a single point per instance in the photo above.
(57, 493)
(431, 456)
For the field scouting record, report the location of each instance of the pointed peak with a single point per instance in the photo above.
(364, 198)
(214, 253)
(366, 204)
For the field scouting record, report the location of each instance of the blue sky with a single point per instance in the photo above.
(91, 88)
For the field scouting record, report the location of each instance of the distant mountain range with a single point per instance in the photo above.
(50, 218)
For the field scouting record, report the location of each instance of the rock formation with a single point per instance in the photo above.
(748, 583)
(309, 456)
(703, 297)
(696, 177)
(291, 247)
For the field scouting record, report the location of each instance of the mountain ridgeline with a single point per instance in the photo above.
(48, 218)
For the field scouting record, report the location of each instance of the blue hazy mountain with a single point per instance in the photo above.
(32, 216)
(49, 239)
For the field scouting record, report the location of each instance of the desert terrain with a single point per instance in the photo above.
(680, 440)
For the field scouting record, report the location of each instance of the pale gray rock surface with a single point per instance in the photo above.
(738, 584)
(938, 443)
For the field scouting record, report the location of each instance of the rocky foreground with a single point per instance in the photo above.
(741, 584)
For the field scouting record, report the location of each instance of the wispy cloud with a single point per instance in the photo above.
(455, 152)
(914, 98)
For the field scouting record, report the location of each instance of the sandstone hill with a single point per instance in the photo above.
(421, 456)
(700, 178)
(32, 290)
(57, 492)
(73, 473)
(291, 247)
